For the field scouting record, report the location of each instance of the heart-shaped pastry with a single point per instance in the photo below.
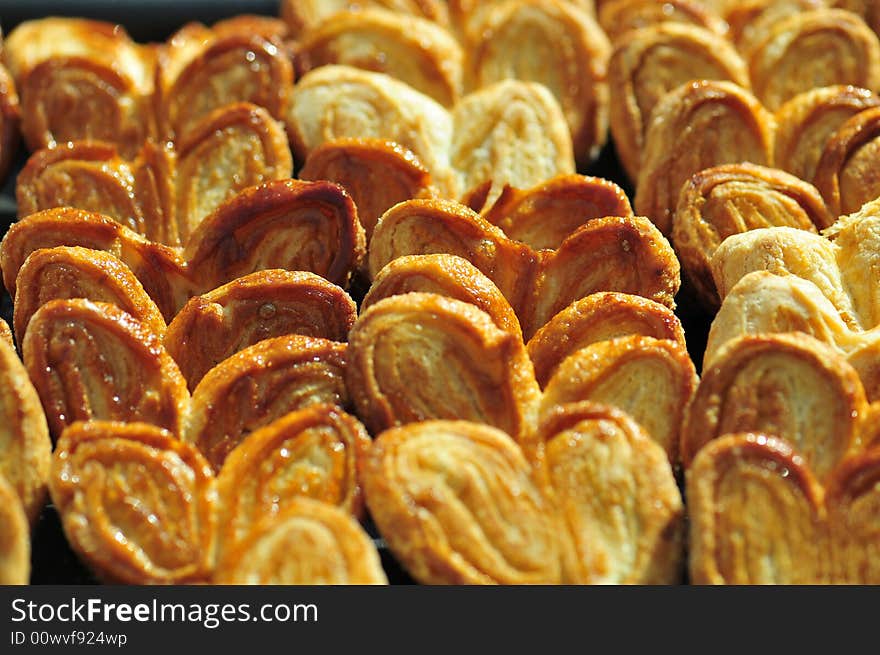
(751, 21)
(466, 16)
(15, 538)
(303, 15)
(617, 17)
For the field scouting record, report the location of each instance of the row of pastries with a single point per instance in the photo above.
(439, 329)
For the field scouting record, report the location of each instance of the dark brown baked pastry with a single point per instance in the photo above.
(447, 275)
(91, 360)
(10, 115)
(377, 174)
(136, 503)
(262, 305)
(15, 538)
(651, 61)
(736, 198)
(617, 17)
(308, 543)
(456, 503)
(260, 384)
(303, 15)
(423, 356)
(696, 126)
(616, 496)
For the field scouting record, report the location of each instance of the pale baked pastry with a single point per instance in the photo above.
(751, 21)
(736, 198)
(315, 452)
(266, 304)
(696, 126)
(92, 360)
(615, 494)
(15, 538)
(376, 173)
(302, 15)
(414, 50)
(137, 504)
(422, 356)
(555, 44)
(10, 116)
(789, 385)
(456, 503)
(649, 62)
(509, 133)
(599, 317)
(617, 17)
(307, 543)
(260, 384)
(810, 49)
(544, 215)
(652, 380)
(447, 275)
(81, 79)
(73, 272)
(808, 120)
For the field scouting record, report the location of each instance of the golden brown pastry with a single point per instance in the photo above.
(808, 120)
(870, 430)
(25, 447)
(306, 226)
(555, 44)
(649, 62)
(333, 102)
(423, 356)
(314, 452)
(791, 386)
(869, 10)
(262, 305)
(73, 272)
(15, 538)
(377, 174)
(509, 133)
(303, 15)
(136, 503)
(414, 50)
(615, 494)
(81, 79)
(92, 360)
(620, 16)
(10, 116)
(696, 126)
(456, 503)
(751, 21)
(308, 543)
(260, 384)
(736, 198)
(466, 16)
(652, 380)
(543, 216)
(447, 275)
(6, 333)
(809, 49)
(228, 150)
(599, 317)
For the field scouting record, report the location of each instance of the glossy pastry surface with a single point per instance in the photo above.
(617, 17)
(15, 538)
(302, 15)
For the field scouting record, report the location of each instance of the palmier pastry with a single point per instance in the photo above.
(10, 115)
(651, 61)
(456, 503)
(734, 198)
(810, 49)
(136, 504)
(314, 452)
(421, 356)
(81, 79)
(696, 126)
(652, 380)
(620, 16)
(509, 133)
(763, 302)
(557, 45)
(232, 148)
(808, 120)
(545, 215)
(308, 543)
(869, 10)
(377, 174)
(260, 384)
(760, 516)
(15, 538)
(616, 496)
(333, 102)
(92, 360)
(303, 15)
(599, 317)
(6, 334)
(25, 447)
(73, 272)
(787, 385)
(466, 16)
(414, 50)
(447, 275)
(751, 21)
(262, 305)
